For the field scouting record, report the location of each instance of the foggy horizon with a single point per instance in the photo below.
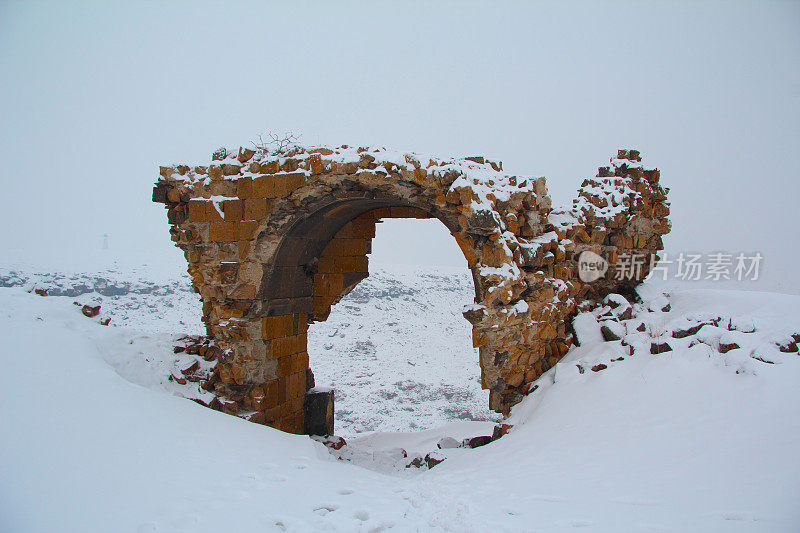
(96, 96)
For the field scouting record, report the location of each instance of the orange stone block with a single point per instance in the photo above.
(212, 215)
(273, 327)
(348, 263)
(362, 229)
(334, 248)
(245, 229)
(362, 264)
(293, 363)
(222, 231)
(329, 264)
(407, 212)
(300, 362)
(299, 344)
(286, 183)
(330, 285)
(320, 305)
(232, 210)
(244, 187)
(285, 365)
(314, 164)
(353, 246)
(197, 210)
(254, 209)
(296, 385)
(263, 187)
(282, 346)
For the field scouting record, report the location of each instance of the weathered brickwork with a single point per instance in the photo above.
(274, 239)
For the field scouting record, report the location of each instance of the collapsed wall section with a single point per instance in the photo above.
(274, 239)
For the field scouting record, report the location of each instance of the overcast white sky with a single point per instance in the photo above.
(94, 96)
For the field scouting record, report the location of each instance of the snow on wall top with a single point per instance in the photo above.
(483, 176)
(480, 184)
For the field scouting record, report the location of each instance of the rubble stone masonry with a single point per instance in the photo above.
(273, 240)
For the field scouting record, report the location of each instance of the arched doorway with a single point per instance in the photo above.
(397, 349)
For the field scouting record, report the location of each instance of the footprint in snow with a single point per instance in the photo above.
(345, 492)
(361, 515)
(323, 510)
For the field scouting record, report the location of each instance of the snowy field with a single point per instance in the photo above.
(702, 437)
(399, 353)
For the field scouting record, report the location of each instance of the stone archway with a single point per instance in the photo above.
(274, 239)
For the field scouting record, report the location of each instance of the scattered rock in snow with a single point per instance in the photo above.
(608, 333)
(788, 348)
(447, 443)
(434, 458)
(180, 381)
(790, 345)
(682, 333)
(90, 311)
(501, 429)
(476, 442)
(331, 441)
(727, 347)
(660, 347)
(587, 329)
(416, 462)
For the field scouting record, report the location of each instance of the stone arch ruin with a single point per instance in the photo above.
(273, 240)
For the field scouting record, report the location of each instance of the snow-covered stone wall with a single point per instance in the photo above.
(274, 238)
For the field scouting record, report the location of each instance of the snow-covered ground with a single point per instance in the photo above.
(399, 352)
(93, 436)
(396, 349)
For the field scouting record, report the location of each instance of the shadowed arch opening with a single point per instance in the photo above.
(288, 284)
